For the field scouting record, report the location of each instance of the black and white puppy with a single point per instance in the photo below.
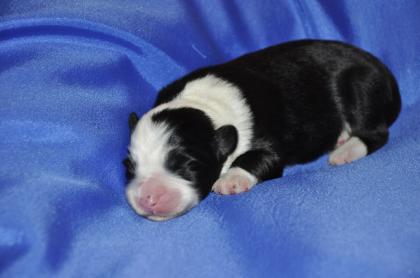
(229, 126)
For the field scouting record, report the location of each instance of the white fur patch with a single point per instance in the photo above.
(149, 146)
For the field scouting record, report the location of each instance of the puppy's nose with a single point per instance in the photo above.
(158, 199)
(150, 199)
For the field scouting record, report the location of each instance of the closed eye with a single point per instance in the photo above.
(130, 167)
(182, 164)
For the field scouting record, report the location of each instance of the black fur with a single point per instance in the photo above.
(300, 93)
(130, 167)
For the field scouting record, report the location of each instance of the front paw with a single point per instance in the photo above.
(235, 180)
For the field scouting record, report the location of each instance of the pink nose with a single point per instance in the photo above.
(157, 198)
(151, 197)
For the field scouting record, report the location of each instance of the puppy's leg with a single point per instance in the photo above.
(360, 144)
(247, 170)
(349, 151)
(235, 180)
(344, 136)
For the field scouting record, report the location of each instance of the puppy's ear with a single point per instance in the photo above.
(132, 121)
(225, 141)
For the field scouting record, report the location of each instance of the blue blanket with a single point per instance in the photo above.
(70, 73)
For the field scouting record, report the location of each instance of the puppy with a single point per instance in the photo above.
(229, 126)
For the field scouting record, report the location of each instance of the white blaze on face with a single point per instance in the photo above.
(149, 146)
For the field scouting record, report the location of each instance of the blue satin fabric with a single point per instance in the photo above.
(70, 73)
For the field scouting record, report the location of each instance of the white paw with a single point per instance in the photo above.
(350, 151)
(235, 180)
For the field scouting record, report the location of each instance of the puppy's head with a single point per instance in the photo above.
(175, 156)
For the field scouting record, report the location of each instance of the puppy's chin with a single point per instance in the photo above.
(161, 198)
